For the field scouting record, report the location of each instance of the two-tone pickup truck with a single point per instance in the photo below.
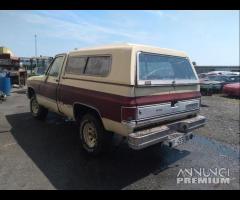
(148, 95)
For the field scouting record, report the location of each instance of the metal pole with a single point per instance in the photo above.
(31, 65)
(35, 45)
(36, 49)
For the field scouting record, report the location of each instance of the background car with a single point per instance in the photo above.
(232, 89)
(208, 87)
(214, 73)
(224, 79)
(202, 75)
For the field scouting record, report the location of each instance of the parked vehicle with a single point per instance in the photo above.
(215, 73)
(233, 79)
(40, 70)
(224, 79)
(232, 89)
(148, 95)
(202, 75)
(208, 87)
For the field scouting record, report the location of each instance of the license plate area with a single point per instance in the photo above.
(178, 139)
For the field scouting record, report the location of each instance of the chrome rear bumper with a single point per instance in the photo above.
(165, 133)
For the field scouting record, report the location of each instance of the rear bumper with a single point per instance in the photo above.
(165, 133)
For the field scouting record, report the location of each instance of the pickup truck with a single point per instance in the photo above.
(146, 94)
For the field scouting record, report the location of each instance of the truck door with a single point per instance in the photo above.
(48, 88)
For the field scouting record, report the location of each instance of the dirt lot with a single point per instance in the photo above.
(46, 155)
(223, 118)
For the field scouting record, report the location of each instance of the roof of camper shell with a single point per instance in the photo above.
(123, 60)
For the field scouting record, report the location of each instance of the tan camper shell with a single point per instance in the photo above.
(147, 94)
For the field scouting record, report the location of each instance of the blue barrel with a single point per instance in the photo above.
(5, 85)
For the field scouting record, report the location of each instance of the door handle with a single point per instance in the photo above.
(57, 80)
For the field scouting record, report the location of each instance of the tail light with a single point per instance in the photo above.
(129, 113)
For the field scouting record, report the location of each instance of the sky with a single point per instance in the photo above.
(208, 37)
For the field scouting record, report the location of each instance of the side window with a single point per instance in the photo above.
(98, 65)
(56, 66)
(76, 65)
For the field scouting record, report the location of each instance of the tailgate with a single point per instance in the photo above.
(164, 100)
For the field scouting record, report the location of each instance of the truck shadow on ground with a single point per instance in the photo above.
(53, 145)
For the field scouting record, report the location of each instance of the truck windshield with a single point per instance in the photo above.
(163, 67)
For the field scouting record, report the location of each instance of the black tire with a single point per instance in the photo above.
(40, 113)
(103, 138)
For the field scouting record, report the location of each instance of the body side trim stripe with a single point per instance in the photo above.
(109, 105)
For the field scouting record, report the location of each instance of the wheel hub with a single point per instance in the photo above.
(89, 134)
(35, 106)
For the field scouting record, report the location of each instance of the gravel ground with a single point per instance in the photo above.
(222, 114)
(46, 155)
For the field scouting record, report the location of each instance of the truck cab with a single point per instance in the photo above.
(147, 94)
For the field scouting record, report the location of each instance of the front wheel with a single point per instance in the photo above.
(94, 138)
(38, 111)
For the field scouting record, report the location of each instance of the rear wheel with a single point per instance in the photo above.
(94, 138)
(38, 111)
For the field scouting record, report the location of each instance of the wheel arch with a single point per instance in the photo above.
(30, 92)
(79, 109)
